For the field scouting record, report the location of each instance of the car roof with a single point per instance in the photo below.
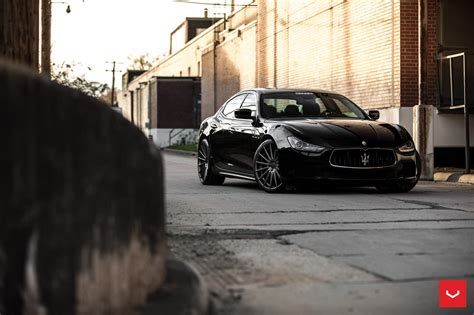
(276, 90)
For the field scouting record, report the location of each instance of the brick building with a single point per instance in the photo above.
(136, 99)
(364, 49)
(139, 97)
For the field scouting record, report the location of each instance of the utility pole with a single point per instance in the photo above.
(113, 85)
(46, 34)
(46, 37)
(423, 119)
(112, 103)
(422, 50)
(19, 32)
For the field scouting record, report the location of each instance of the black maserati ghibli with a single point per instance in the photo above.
(281, 137)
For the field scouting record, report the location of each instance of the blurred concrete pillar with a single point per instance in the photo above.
(423, 136)
(82, 220)
(423, 119)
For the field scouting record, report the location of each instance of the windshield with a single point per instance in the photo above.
(308, 104)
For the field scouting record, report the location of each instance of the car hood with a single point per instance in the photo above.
(347, 132)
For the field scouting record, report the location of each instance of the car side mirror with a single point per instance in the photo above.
(374, 114)
(243, 113)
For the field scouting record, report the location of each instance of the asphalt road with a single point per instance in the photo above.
(350, 251)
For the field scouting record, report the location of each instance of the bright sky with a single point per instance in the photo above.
(97, 31)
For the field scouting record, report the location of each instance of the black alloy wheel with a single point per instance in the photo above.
(266, 167)
(204, 164)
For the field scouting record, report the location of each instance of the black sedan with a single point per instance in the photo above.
(283, 136)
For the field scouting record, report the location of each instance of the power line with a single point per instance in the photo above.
(217, 4)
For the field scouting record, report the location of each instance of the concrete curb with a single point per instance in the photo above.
(183, 293)
(179, 152)
(454, 177)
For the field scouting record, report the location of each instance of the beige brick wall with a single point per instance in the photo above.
(351, 47)
(364, 49)
(207, 84)
(185, 62)
(123, 99)
(140, 97)
(235, 68)
(188, 61)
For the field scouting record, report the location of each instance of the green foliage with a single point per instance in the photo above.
(64, 74)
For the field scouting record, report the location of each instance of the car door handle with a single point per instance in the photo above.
(213, 125)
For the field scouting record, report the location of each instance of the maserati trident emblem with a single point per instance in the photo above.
(364, 143)
(365, 158)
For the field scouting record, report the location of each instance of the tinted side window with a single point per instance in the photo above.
(232, 105)
(250, 103)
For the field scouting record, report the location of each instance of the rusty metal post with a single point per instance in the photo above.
(422, 51)
(466, 120)
(423, 114)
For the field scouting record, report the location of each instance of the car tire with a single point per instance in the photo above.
(266, 167)
(204, 165)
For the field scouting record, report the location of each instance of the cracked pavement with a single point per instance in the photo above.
(350, 251)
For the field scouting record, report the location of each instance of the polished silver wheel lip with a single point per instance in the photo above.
(267, 171)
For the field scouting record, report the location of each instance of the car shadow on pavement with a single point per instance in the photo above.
(304, 189)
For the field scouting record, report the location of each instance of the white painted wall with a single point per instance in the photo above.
(448, 128)
(161, 136)
(398, 115)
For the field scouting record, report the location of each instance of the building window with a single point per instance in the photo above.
(181, 73)
(199, 69)
(189, 71)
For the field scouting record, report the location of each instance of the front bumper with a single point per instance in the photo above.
(298, 166)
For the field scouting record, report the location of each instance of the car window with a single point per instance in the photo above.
(279, 104)
(344, 109)
(232, 105)
(308, 104)
(272, 107)
(250, 102)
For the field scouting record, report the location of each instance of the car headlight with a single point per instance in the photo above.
(300, 145)
(407, 147)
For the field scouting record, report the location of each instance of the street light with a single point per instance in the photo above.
(46, 34)
(68, 9)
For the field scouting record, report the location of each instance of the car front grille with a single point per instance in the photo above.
(362, 158)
